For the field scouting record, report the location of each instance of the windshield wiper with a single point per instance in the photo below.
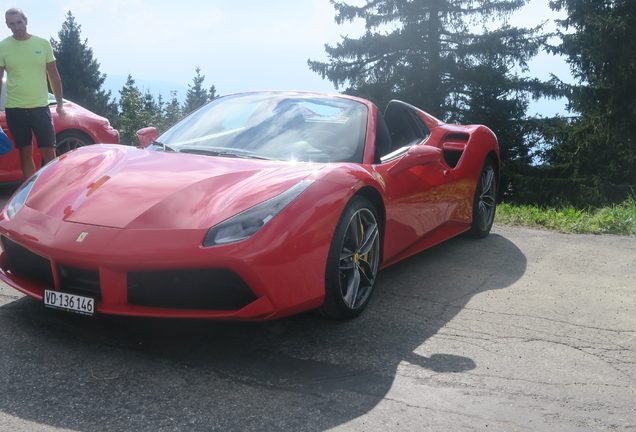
(222, 153)
(163, 146)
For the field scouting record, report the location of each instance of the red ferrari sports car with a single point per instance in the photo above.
(256, 206)
(80, 127)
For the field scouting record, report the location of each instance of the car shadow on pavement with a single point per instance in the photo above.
(301, 373)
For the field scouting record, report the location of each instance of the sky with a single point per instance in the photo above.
(239, 45)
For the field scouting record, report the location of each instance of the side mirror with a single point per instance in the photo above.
(146, 136)
(417, 155)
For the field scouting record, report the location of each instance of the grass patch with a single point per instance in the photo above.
(619, 219)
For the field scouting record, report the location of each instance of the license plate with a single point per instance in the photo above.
(69, 302)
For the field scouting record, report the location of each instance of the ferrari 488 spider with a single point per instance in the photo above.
(256, 206)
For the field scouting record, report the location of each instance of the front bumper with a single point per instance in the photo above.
(167, 273)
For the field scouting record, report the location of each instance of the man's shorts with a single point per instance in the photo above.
(25, 122)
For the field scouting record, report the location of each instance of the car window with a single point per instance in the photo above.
(52, 100)
(405, 127)
(284, 126)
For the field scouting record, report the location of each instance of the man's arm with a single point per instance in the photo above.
(56, 85)
(1, 77)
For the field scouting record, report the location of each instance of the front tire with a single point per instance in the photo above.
(353, 261)
(70, 140)
(485, 202)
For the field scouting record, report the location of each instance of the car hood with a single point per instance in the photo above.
(75, 110)
(124, 187)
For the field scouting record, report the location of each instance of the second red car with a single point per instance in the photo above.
(80, 127)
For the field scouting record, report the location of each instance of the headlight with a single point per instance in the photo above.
(21, 195)
(247, 223)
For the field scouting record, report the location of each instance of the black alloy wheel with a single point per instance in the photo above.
(353, 261)
(485, 203)
(70, 140)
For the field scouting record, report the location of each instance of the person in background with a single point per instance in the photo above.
(28, 59)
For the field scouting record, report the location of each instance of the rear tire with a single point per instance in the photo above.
(353, 261)
(485, 202)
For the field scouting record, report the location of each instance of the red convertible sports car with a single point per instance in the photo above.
(80, 127)
(256, 206)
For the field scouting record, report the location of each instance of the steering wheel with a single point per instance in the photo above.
(322, 140)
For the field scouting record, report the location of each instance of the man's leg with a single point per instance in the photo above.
(44, 131)
(48, 154)
(26, 161)
(18, 121)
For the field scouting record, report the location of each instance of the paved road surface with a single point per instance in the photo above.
(526, 330)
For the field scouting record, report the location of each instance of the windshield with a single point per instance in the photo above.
(273, 125)
(52, 100)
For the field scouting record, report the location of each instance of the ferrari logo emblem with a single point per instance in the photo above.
(81, 237)
(380, 179)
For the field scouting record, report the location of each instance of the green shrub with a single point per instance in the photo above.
(616, 219)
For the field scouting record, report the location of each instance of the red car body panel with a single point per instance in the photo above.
(78, 119)
(150, 211)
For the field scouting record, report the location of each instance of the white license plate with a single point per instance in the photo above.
(69, 302)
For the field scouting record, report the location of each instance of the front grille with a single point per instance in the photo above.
(203, 289)
(80, 281)
(23, 262)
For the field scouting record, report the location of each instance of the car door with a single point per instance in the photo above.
(418, 182)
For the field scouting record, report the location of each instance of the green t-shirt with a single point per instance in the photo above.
(25, 64)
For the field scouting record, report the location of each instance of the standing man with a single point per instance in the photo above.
(28, 59)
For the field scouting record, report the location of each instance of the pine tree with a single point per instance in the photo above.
(133, 115)
(439, 56)
(81, 78)
(427, 52)
(172, 113)
(152, 112)
(595, 154)
(197, 95)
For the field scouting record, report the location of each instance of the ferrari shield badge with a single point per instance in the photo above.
(81, 237)
(380, 179)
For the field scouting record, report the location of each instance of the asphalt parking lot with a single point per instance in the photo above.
(526, 330)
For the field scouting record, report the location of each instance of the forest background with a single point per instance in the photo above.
(461, 61)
